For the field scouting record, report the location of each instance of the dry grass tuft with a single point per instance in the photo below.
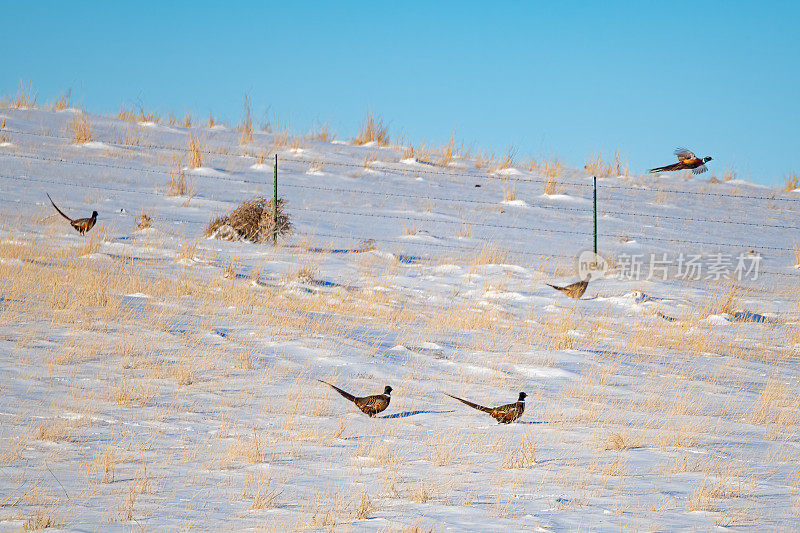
(195, 160)
(366, 508)
(489, 255)
(447, 151)
(144, 221)
(253, 220)
(420, 153)
(551, 187)
(729, 175)
(54, 430)
(551, 169)
(323, 134)
(245, 129)
(618, 442)
(132, 137)
(790, 182)
(597, 167)
(523, 456)
(369, 159)
(420, 493)
(80, 129)
(213, 229)
(509, 193)
(373, 130)
(243, 361)
(43, 519)
(62, 102)
(178, 184)
(264, 495)
(131, 115)
(315, 166)
(281, 138)
(102, 467)
(409, 229)
(508, 160)
(126, 114)
(722, 299)
(25, 97)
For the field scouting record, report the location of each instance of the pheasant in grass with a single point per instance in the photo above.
(81, 225)
(686, 160)
(370, 405)
(505, 414)
(574, 290)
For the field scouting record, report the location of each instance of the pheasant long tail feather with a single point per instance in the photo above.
(668, 168)
(60, 212)
(340, 391)
(473, 405)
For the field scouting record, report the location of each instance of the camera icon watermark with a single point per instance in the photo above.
(592, 264)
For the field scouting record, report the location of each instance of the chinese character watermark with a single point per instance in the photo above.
(632, 267)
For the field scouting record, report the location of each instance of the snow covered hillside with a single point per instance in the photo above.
(154, 378)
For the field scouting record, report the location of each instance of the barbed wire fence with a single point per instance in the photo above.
(430, 169)
(386, 167)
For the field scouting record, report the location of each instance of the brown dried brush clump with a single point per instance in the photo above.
(144, 221)
(253, 220)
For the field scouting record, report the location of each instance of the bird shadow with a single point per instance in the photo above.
(412, 413)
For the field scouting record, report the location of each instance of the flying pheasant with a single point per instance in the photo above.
(574, 290)
(81, 225)
(370, 405)
(686, 160)
(505, 414)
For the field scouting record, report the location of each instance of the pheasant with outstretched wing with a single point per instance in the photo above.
(686, 161)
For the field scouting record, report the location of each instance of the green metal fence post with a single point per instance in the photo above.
(275, 206)
(595, 214)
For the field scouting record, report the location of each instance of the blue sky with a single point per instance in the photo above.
(566, 79)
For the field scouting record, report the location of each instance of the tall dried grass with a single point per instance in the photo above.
(80, 129)
(245, 128)
(195, 159)
(790, 182)
(62, 102)
(597, 167)
(373, 130)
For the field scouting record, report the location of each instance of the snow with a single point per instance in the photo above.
(158, 379)
(96, 145)
(206, 172)
(515, 203)
(565, 198)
